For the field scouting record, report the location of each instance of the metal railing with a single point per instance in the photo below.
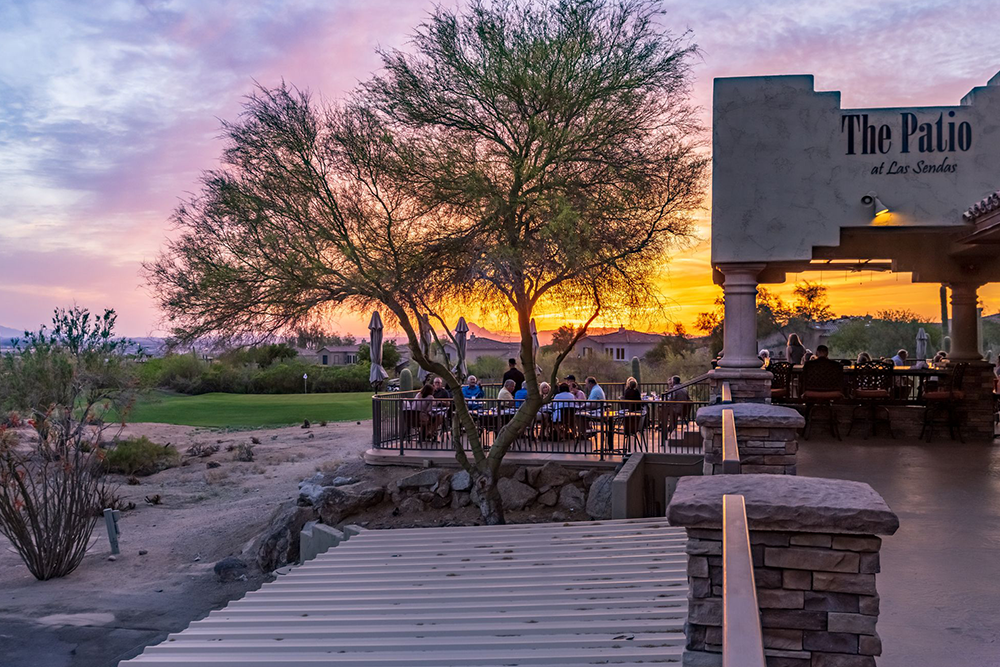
(697, 389)
(730, 448)
(742, 639)
(402, 422)
(907, 387)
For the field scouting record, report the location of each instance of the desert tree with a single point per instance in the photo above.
(519, 157)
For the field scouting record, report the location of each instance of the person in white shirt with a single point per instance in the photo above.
(900, 359)
(594, 390)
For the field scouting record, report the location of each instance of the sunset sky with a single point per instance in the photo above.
(109, 109)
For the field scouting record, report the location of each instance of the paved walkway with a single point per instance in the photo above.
(940, 580)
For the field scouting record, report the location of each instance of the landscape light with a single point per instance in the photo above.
(871, 199)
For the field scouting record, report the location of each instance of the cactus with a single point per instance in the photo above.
(635, 370)
(405, 380)
(944, 311)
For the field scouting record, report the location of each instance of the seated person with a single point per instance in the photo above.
(765, 357)
(594, 391)
(863, 358)
(575, 388)
(471, 391)
(440, 391)
(631, 392)
(564, 399)
(506, 393)
(520, 395)
(900, 359)
(422, 405)
(813, 371)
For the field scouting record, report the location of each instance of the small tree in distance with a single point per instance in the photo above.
(524, 155)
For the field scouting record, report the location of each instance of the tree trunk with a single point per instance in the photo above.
(487, 497)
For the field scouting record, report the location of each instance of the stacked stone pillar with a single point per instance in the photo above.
(766, 436)
(815, 548)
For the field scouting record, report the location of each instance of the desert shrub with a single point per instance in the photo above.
(140, 456)
(179, 372)
(49, 503)
(244, 452)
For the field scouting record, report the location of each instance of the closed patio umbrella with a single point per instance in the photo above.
(461, 333)
(425, 344)
(922, 339)
(377, 375)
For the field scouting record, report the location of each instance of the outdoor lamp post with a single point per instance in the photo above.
(305, 383)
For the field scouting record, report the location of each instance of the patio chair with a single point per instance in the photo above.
(822, 386)
(632, 428)
(781, 380)
(872, 391)
(944, 400)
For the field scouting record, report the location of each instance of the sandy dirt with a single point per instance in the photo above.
(108, 610)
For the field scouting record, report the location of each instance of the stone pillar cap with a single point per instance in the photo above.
(784, 503)
(750, 415)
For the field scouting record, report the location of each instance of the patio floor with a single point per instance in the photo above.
(940, 580)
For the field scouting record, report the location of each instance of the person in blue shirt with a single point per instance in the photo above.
(471, 390)
(594, 390)
(520, 395)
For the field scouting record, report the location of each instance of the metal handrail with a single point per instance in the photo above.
(730, 446)
(742, 640)
(727, 393)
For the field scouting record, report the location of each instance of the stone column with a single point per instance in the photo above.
(964, 322)
(815, 553)
(740, 366)
(765, 437)
(740, 327)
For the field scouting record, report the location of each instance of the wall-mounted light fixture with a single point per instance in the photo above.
(871, 199)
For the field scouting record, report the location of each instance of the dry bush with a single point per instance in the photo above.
(50, 499)
(215, 476)
(244, 453)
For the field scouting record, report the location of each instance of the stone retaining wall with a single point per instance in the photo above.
(815, 552)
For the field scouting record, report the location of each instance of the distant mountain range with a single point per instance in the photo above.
(7, 332)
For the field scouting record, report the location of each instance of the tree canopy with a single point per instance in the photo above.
(519, 154)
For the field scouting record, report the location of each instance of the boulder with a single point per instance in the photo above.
(461, 481)
(521, 475)
(443, 487)
(571, 498)
(532, 474)
(460, 499)
(553, 474)
(310, 490)
(588, 477)
(231, 569)
(558, 516)
(279, 543)
(339, 502)
(411, 506)
(599, 497)
(440, 502)
(428, 477)
(515, 495)
(549, 498)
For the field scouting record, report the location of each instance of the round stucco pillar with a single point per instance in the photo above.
(964, 322)
(740, 326)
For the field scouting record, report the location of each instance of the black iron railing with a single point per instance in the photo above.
(403, 422)
(907, 385)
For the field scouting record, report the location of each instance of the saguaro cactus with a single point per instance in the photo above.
(635, 370)
(405, 380)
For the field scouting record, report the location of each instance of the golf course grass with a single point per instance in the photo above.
(250, 410)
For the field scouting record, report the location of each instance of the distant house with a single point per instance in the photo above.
(479, 346)
(336, 355)
(619, 345)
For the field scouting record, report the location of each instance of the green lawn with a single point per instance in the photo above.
(250, 410)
